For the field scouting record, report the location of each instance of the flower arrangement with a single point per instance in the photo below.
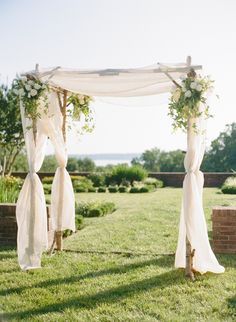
(31, 91)
(186, 99)
(81, 106)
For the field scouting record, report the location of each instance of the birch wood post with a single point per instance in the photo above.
(59, 233)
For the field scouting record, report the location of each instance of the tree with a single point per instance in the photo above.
(172, 161)
(155, 160)
(11, 132)
(222, 156)
(86, 165)
(49, 164)
(72, 164)
(150, 159)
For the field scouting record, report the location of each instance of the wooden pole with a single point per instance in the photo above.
(59, 233)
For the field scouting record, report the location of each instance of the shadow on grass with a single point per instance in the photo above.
(117, 252)
(108, 296)
(163, 261)
(232, 303)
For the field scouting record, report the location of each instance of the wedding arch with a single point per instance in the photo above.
(193, 252)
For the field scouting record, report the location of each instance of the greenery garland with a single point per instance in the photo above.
(186, 99)
(33, 92)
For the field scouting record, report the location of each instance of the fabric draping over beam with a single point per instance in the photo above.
(150, 80)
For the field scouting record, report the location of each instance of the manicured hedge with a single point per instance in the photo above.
(95, 209)
(123, 173)
(229, 186)
(79, 224)
(113, 189)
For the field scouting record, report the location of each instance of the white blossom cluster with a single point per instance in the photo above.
(29, 88)
(195, 85)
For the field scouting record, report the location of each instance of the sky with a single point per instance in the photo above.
(119, 34)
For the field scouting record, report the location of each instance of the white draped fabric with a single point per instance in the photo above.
(62, 197)
(31, 207)
(192, 218)
(151, 80)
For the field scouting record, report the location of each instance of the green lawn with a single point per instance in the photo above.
(120, 268)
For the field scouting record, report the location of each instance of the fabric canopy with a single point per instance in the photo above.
(152, 80)
(144, 81)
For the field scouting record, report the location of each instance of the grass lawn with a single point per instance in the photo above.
(120, 268)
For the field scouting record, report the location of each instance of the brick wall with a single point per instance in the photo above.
(171, 179)
(224, 229)
(8, 225)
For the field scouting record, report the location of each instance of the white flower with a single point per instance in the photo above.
(15, 91)
(30, 82)
(33, 92)
(28, 87)
(188, 94)
(184, 89)
(193, 85)
(24, 78)
(37, 86)
(199, 88)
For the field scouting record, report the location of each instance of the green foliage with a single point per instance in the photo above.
(20, 164)
(79, 224)
(92, 189)
(47, 187)
(32, 92)
(102, 189)
(10, 189)
(186, 99)
(144, 189)
(95, 209)
(221, 156)
(81, 107)
(98, 179)
(80, 189)
(81, 183)
(80, 165)
(155, 160)
(49, 164)
(113, 189)
(47, 180)
(11, 132)
(131, 174)
(153, 182)
(229, 186)
(134, 190)
(122, 189)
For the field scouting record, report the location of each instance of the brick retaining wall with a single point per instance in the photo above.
(224, 229)
(8, 225)
(171, 179)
